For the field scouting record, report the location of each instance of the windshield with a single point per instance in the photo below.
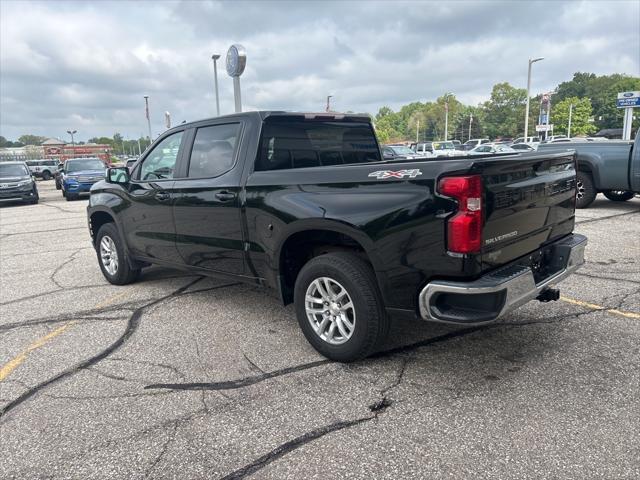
(13, 170)
(401, 150)
(88, 164)
(443, 146)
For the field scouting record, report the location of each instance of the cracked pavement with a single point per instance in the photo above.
(179, 376)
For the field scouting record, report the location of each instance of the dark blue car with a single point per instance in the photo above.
(79, 174)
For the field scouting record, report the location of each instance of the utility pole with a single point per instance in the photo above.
(526, 110)
(470, 120)
(569, 126)
(146, 105)
(417, 130)
(139, 148)
(328, 108)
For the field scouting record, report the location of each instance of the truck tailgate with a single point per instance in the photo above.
(529, 201)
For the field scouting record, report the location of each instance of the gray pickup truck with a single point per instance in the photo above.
(611, 168)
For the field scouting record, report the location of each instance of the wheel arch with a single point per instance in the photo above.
(308, 239)
(589, 163)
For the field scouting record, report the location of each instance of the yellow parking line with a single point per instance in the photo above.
(593, 306)
(110, 300)
(9, 367)
(14, 363)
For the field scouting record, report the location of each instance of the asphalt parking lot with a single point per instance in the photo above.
(179, 376)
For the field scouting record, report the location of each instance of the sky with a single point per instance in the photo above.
(87, 65)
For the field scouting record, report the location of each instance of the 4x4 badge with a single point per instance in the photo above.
(382, 174)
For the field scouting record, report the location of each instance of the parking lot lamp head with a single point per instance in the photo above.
(72, 132)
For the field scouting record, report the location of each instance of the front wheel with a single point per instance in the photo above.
(112, 256)
(585, 190)
(618, 195)
(339, 307)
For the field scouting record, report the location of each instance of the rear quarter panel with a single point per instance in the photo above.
(608, 162)
(399, 223)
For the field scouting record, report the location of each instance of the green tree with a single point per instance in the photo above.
(580, 116)
(503, 113)
(602, 91)
(3, 142)
(31, 139)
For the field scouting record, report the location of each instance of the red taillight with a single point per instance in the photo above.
(464, 229)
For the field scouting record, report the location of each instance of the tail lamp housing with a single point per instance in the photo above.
(464, 228)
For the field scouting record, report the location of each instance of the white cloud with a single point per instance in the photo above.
(87, 65)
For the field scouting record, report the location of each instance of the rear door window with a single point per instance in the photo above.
(213, 151)
(296, 143)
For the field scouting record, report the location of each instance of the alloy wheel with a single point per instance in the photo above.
(330, 310)
(109, 255)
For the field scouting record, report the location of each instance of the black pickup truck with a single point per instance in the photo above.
(305, 205)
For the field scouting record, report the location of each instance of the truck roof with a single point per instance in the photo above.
(264, 114)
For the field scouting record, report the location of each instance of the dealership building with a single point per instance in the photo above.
(59, 150)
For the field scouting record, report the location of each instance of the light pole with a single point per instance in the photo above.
(446, 119)
(526, 111)
(328, 108)
(146, 109)
(72, 132)
(215, 57)
(470, 120)
(569, 126)
(73, 143)
(417, 130)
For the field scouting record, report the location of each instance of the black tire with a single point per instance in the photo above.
(370, 321)
(618, 195)
(124, 274)
(35, 199)
(64, 193)
(585, 190)
(58, 186)
(46, 175)
(68, 196)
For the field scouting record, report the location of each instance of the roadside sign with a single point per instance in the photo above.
(628, 99)
(544, 128)
(628, 102)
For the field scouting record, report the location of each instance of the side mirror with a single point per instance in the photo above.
(387, 156)
(118, 175)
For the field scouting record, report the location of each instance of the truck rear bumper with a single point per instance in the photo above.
(505, 289)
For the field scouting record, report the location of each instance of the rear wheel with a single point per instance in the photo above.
(46, 175)
(339, 307)
(112, 256)
(585, 190)
(618, 195)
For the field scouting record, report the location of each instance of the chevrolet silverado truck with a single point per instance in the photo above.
(610, 167)
(306, 206)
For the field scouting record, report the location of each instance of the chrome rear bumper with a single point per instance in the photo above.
(502, 290)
